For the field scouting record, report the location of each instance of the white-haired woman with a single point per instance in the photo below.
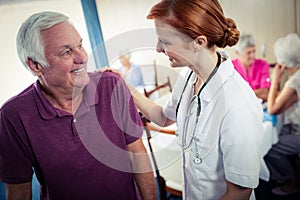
(287, 103)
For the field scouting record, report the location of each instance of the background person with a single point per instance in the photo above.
(79, 131)
(287, 103)
(254, 71)
(218, 116)
(130, 71)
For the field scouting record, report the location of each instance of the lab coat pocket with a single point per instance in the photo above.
(205, 148)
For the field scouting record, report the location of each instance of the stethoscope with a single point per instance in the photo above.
(186, 144)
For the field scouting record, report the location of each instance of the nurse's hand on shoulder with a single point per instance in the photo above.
(236, 192)
(107, 68)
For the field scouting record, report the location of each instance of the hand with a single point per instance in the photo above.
(278, 72)
(107, 68)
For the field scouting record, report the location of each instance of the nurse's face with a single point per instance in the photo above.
(175, 45)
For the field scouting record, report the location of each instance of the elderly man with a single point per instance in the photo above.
(80, 132)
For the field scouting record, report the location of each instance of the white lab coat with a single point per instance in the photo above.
(227, 137)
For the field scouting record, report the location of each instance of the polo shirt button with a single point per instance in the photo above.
(74, 120)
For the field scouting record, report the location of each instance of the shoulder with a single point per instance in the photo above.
(236, 61)
(237, 64)
(261, 62)
(105, 83)
(294, 81)
(134, 66)
(20, 100)
(106, 76)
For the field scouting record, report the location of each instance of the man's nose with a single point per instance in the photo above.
(80, 56)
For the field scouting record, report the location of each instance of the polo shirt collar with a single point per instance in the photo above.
(48, 111)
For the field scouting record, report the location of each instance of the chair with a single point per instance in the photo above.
(158, 87)
(167, 161)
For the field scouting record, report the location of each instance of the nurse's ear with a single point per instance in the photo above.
(200, 42)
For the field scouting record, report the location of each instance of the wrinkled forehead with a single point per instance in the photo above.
(61, 32)
(249, 49)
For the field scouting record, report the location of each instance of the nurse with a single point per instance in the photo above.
(218, 116)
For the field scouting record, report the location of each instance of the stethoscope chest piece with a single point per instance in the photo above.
(197, 159)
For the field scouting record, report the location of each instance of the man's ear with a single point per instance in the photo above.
(34, 66)
(200, 42)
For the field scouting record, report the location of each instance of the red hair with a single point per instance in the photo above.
(198, 17)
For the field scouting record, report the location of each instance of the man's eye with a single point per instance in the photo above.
(67, 52)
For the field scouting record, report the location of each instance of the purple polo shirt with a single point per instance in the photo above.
(81, 156)
(258, 75)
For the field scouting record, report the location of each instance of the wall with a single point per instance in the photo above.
(298, 16)
(126, 28)
(123, 19)
(267, 20)
(14, 76)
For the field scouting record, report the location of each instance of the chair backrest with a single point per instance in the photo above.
(149, 72)
(158, 87)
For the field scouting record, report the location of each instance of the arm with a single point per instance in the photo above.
(279, 103)
(150, 109)
(236, 192)
(21, 191)
(142, 169)
(263, 90)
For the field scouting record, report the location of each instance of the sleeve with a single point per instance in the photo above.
(265, 81)
(241, 139)
(294, 82)
(169, 109)
(130, 119)
(15, 164)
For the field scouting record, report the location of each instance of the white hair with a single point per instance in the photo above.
(29, 43)
(287, 50)
(245, 40)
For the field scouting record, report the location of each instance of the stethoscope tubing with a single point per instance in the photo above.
(185, 146)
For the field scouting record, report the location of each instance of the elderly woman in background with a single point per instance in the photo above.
(254, 71)
(130, 71)
(287, 103)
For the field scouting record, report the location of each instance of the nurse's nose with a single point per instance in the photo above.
(160, 47)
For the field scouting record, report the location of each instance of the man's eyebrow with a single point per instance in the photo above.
(69, 46)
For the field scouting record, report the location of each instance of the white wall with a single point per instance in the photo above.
(266, 20)
(14, 76)
(125, 26)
